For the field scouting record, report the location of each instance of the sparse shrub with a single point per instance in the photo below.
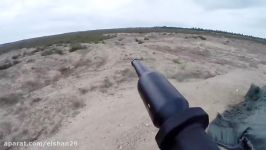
(35, 100)
(52, 51)
(5, 130)
(128, 73)
(77, 103)
(15, 56)
(84, 62)
(263, 62)
(83, 90)
(59, 44)
(32, 85)
(3, 74)
(29, 53)
(99, 61)
(196, 37)
(93, 88)
(182, 76)
(139, 41)
(203, 52)
(202, 37)
(124, 75)
(253, 64)
(65, 71)
(107, 83)
(75, 47)
(7, 64)
(59, 52)
(183, 67)
(10, 99)
(46, 53)
(146, 38)
(226, 42)
(177, 61)
(38, 49)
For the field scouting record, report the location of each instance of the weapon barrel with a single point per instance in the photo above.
(139, 67)
(160, 97)
(180, 127)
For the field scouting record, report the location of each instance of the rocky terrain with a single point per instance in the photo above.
(87, 92)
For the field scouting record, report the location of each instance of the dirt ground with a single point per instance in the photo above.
(90, 95)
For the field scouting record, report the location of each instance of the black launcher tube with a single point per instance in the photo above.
(180, 127)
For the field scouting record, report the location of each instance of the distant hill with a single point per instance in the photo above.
(98, 35)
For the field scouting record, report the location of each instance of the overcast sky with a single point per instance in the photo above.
(21, 19)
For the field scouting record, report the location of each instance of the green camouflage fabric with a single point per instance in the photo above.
(242, 126)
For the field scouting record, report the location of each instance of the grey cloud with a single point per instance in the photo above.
(229, 4)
